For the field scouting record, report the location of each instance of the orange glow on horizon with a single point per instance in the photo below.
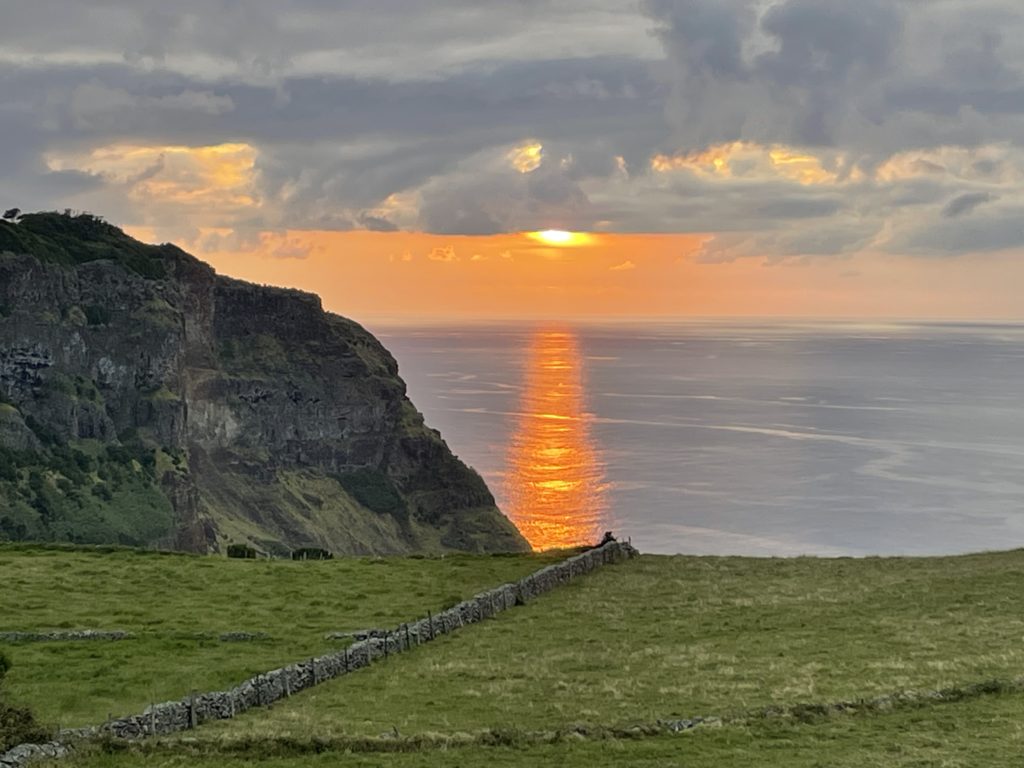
(555, 484)
(560, 237)
(415, 277)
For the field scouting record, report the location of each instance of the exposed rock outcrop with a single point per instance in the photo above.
(230, 411)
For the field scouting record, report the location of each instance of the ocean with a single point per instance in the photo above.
(745, 438)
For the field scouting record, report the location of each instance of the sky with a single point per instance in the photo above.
(820, 158)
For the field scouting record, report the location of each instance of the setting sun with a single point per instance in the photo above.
(560, 237)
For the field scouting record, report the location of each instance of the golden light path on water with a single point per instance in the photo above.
(555, 479)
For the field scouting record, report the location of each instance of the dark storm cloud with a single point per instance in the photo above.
(383, 114)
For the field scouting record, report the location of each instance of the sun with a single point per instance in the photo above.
(559, 237)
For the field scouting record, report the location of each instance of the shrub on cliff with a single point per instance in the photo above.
(311, 553)
(59, 493)
(374, 490)
(241, 551)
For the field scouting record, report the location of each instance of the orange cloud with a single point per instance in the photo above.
(442, 253)
(713, 160)
(526, 157)
(750, 159)
(219, 176)
(805, 169)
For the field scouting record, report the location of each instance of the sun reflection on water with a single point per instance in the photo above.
(555, 480)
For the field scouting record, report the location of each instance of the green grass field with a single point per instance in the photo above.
(684, 636)
(654, 638)
(986, 733)
(177, 606)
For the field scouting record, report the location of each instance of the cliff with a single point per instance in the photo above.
(146, 400)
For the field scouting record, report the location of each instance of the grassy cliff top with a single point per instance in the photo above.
(658, 637)
(176, 606)
(64, 238)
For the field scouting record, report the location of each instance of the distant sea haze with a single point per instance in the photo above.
(737, 438)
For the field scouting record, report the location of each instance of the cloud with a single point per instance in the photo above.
(831, 238)
(174, 189)
(483, 196)
(526, 157)
(869, 76)
(94, 106)
(286, 247)
(442, 253)
(262, 40)
(377, 223)
(782, 130)
(994, 229)
(625, 266)
(965, 203)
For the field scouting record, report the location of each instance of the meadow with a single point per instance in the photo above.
(580, 676)
(177, 606)
(984, 733)
(665, 637)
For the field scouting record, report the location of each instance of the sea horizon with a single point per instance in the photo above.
(767, 437)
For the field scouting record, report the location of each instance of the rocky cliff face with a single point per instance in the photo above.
(147, 400)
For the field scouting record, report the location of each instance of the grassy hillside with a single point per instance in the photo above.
(85, 493)
(656, 638)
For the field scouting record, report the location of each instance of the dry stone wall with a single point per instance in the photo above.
(75, 634)
(269, 687)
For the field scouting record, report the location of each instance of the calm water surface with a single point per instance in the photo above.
(715, 438)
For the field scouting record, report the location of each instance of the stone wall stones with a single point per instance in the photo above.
(269, 687)
(74, 634)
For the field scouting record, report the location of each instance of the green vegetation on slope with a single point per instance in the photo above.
(177, 606)
(64, 238)
(374, 490)
(63, 493)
